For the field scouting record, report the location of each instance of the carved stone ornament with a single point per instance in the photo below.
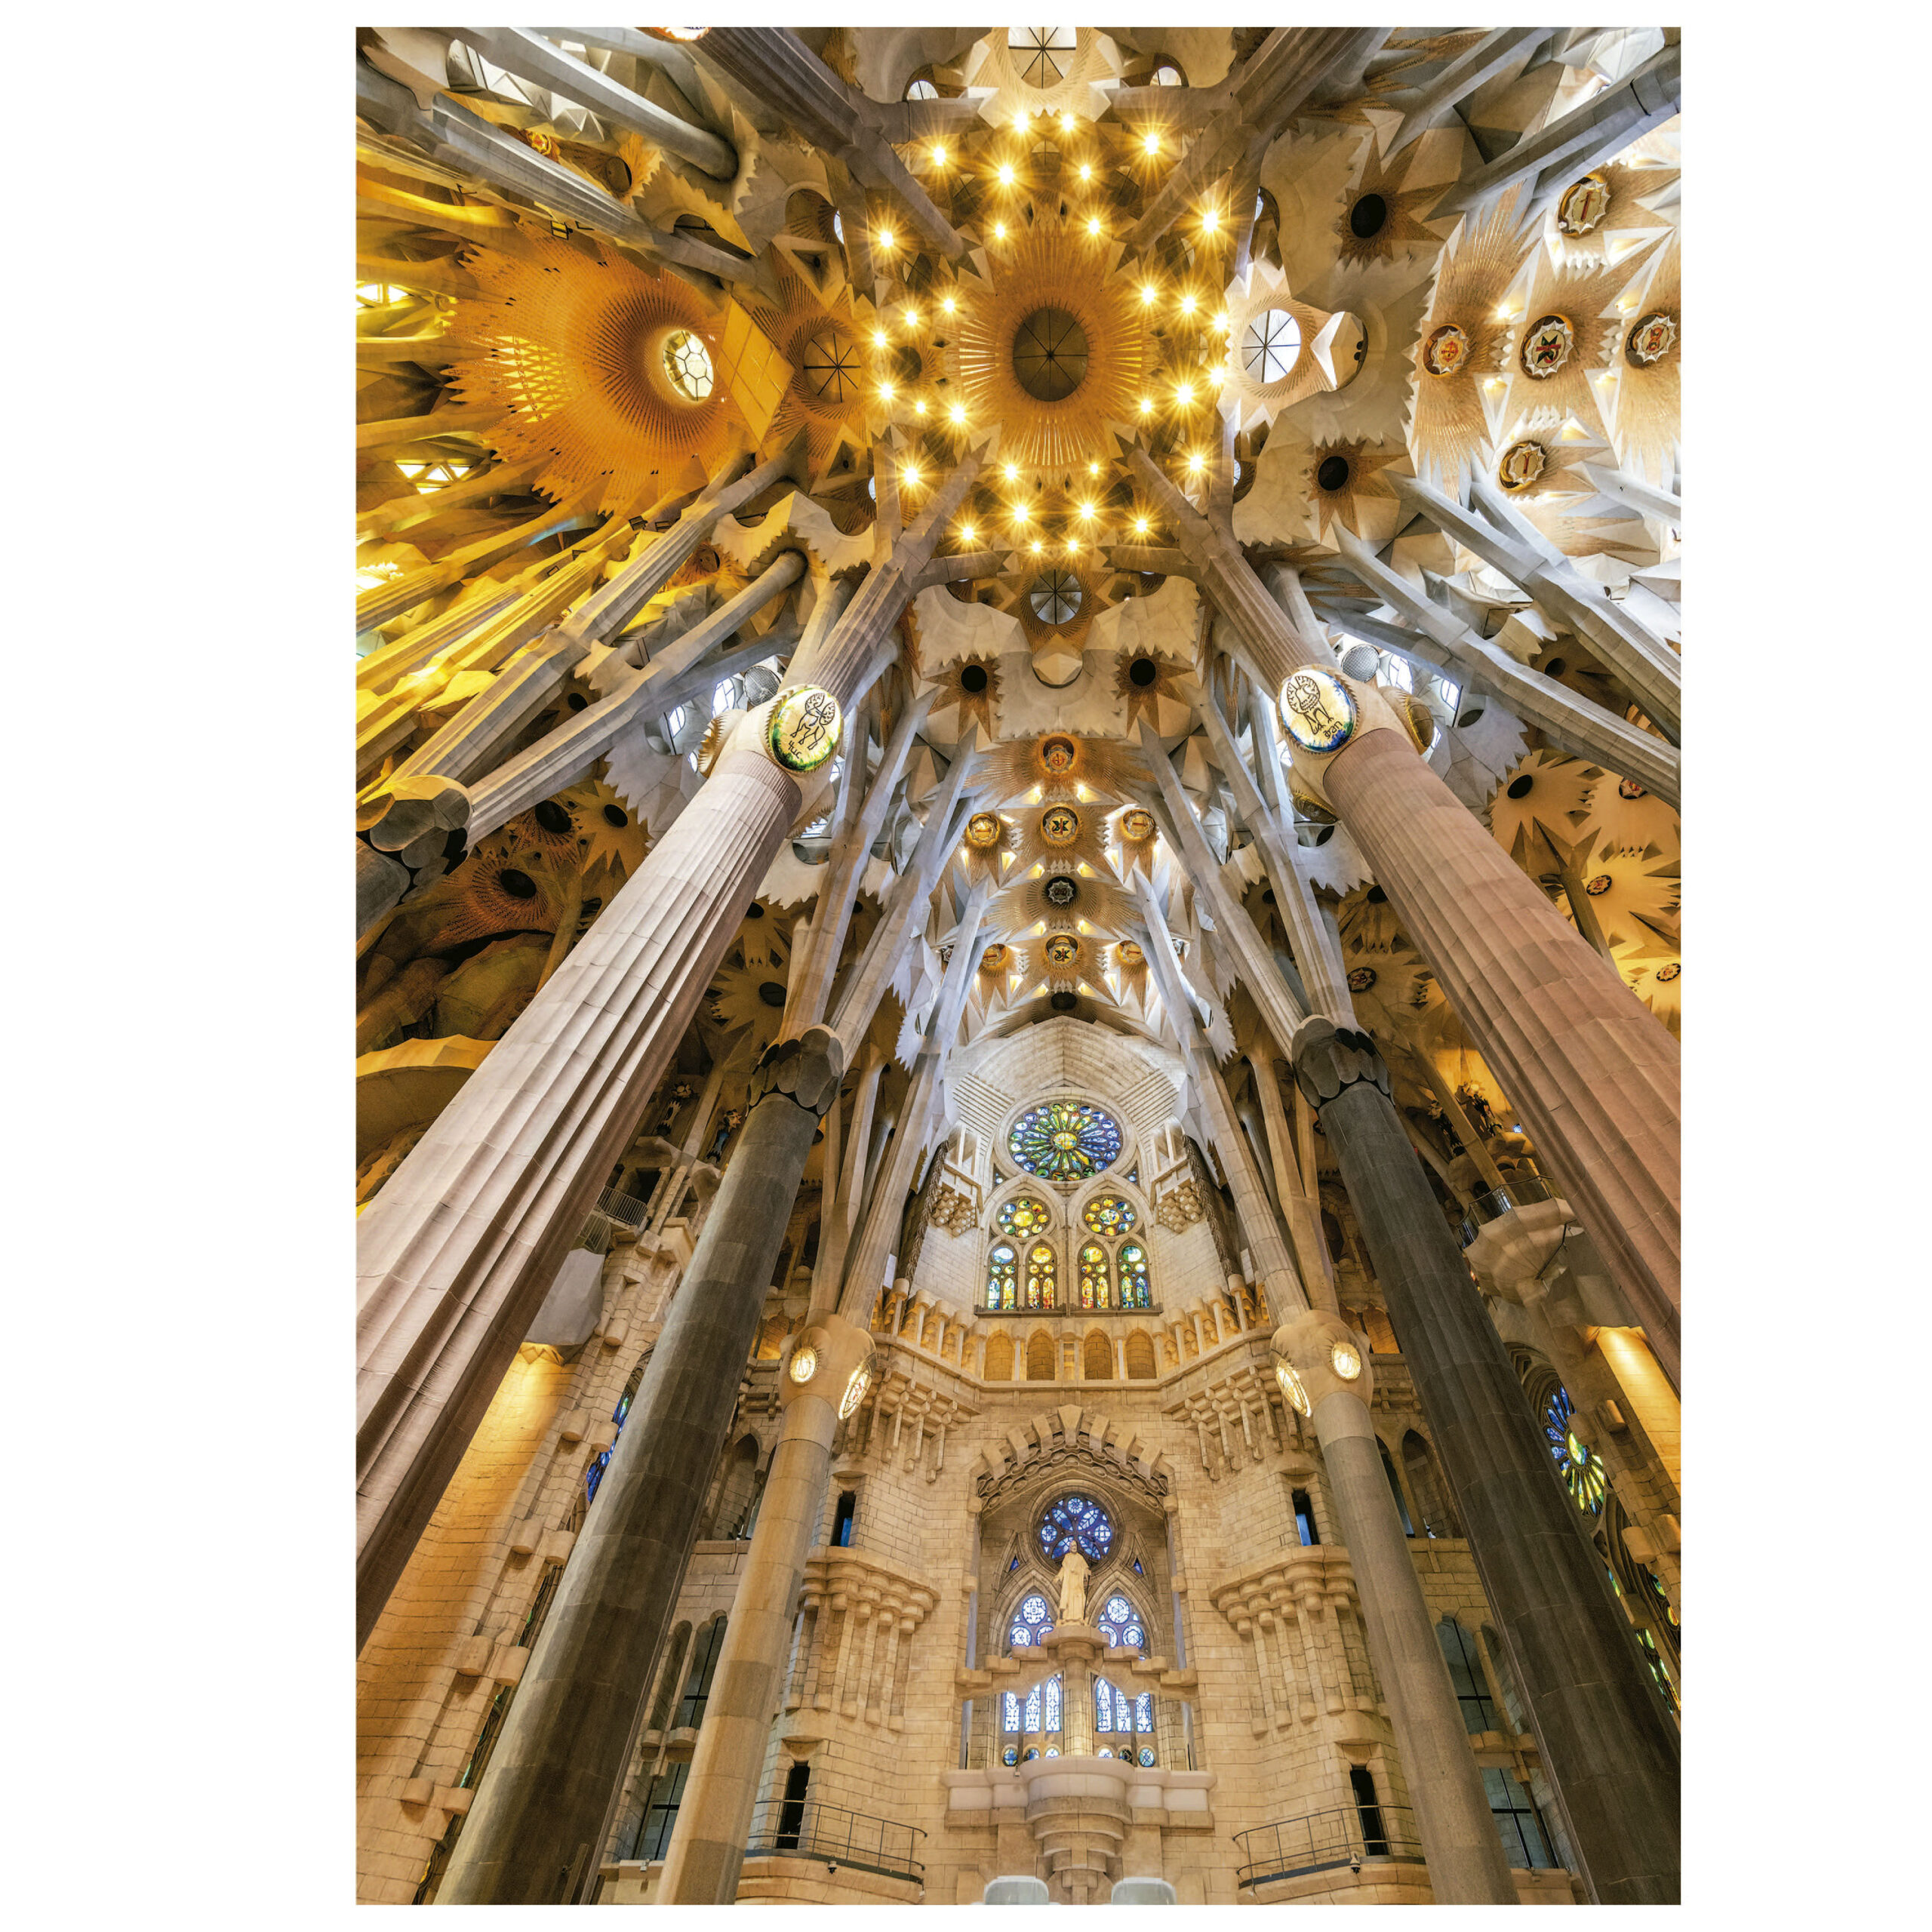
(1060, 825)
(1652, 340)
(807, 1070)
(1583, 205)
(994, 959)
(1062, 891)
(1445, 351)
(1329, 1059)
(1136, 825)
(1057, 754)
(1522, 463)
(983, 830)
(1062, 951)
(1128, 953)
(1361, 979)
(1318, 710)
(805, 727)
(1549, 344)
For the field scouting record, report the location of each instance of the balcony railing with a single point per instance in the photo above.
(1518, 1191)
(1350, 1835)
(802, 1828)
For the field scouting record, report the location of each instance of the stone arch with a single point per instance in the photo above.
(1426, 1485)
(1140, 1365)
(736, 1487)
(670, 1676)
(1097, 1362)
(999, 1356)
(1040, 1349)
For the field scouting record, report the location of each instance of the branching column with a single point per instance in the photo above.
(1608, 1744)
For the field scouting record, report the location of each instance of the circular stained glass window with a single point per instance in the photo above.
(1055, 597)
(983, 830)
(1062, 951)
(1076, 1522)
(1108, 1214)
(1147, 1756)
(1522, 463)
(1120, 1623)
(1025, 1216)
(687, 363)
(1010, 1755)
(1060, 825)
(1065, 1140)
(1577, 1463)
(1129, 954)
(1272, 346)
(1049, 354)
(1137, 824)
(1446, 351)
(1032, 1621)
(831, 367)
(1548, 347)
(1062, 891)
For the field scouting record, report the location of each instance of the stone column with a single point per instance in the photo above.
(1300, 1208)
(1593, 1073)
(1608, 1744)
(707, 1844)
(540, 1819)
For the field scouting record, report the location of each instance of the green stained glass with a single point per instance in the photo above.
(1094, 1289)
(1577, 1463)
(1108, 1214)
(1023, 1217)
(1002, 1277)
(1042, 1278)
(1135, 1289)
(1065, 1140)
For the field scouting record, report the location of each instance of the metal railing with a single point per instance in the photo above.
(625, 1208)
(1349, 1835)
(1521, 1189)
(803, 1827)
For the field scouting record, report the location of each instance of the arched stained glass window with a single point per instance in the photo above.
(1120, 1622)
(1112, 1713)
(1076, 1522)
(1002, 1277)
(1579, 1465)
(1023, 1217)
(1033, 1709)
(1064, 1140)
(1143, 1718)
(1108, 1214)
(1010, 1713)
(1136, 1291)
(1042, 1278)
(1095, 1291)
(1052, 1703)
(1031, 1622)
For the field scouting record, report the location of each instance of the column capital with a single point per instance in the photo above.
(806, 1070)
(1327, 1357)
(1329, 1059)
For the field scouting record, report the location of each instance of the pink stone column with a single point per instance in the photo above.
(1594, 1074)
(457, 1252)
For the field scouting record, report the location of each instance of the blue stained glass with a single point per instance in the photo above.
(1579, 1465)
(1033, 1708)
(1076, 1522)
(1064, 1140)
(1010, 1755)
(1120, 1623)
(1010, 1713)
(1146, 1754)
(1143, 1711)
(1031, 1622)
(1052, 1703)
(1135, 1291)
(1103, 1705)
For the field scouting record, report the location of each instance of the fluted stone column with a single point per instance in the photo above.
(540, 1819)
(1609, 1746)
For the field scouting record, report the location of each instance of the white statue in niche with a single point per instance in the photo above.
(1073, 1588)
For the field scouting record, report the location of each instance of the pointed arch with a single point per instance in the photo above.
(1140, 1356)
(1042, 1276)
(1040, 1350)
(1096, 1287)
(1097, 1363)
(999, 1356)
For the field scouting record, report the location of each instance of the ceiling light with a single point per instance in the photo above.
(1146, 405)
(919, 407)
(1222, 323)
(1153, 143)
(1187, 303)
(1072, 545)
(1093, 469)
(1093, 225)
(948, 305)
(1066, 124)
(885, 238)
(885, 392)
(911, 472)
(965, 533)
(1086, 171)
(1019, 512)
(999, 231)
(1194, 463)
(1087, 512)
(1147, 292)
(939, 157)
(1006, 174)
(1013, 472)
(912, 318)
(957, 412)
(1210, 219)
(878, 338)
(1184, 395)
(1140, 526)
(1036, 547)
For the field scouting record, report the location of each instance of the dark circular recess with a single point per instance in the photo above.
(1062, 1002)
(577, 701)
(1377, 896)
(615, 815)
(755, 911)
(1333, 474)
(519, 885)
(551, 816)
(1268, 897)
(973, 678)
(1368, 217)
(1554, 668)
(1049, 354)
(1141, 672)
(1062, 891)
(772, 993)
(1520, 788)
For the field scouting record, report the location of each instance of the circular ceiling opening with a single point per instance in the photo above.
(771, 992)
(687, 363)
(615, 815)
(1049, 354)
(1141, 672)
(551, 816)
(519, 885)
(1333, 474)
(973, 678)
(1377, 896)
(1062, 1002)
(1055, 597)
(1368, 217)
(1520, 788)
(753, 911)
(1272, 346)
(831, 367)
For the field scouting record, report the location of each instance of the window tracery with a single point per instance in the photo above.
(1042, 1277)
(1135, 1289)
(1032, 1621)
(1108, 1214)
(1120, 1623)
(1096, 1290)
(1021, 1216)
(1579, 1465)
(1065, 1140)
(1002, 1277)
(1076, 1522)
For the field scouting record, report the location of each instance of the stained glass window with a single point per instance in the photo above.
(1120, 1622)
(1031, 1622)
(1094, 1292)
(1064, 1140)
(1135, 1289)
(1052, 1703)
(1133, 1175)
(1042, 1278)
(1076, 1522)
(1143, 1716)
(1033, 1709)
(1023, 1217)
(1146, 1753)
(1010, 1713)
(1002, 1277)
(1010, 1755)
(1579, 1465)
(1108, 1214)
(1110, 1711)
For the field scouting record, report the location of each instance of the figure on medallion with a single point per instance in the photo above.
(1073, 1588)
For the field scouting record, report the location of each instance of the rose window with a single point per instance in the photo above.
(1065, 1140)
(1108, 1214)
(1076, 1522)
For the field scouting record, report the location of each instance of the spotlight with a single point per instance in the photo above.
(1086, 512)
(1140, 526)
(1148, 292)
(885, 392)
(1086, 171)
(878, 338)
(1006, 174)
(1194, 463)
(965, 533)
(1153, 143)
(999, 231)
(948, 305)
(1013, 472)
(1184, 395)
(1187, 304)
(957, 412)
(1093, 225)
(939, 157)
(885, 238)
